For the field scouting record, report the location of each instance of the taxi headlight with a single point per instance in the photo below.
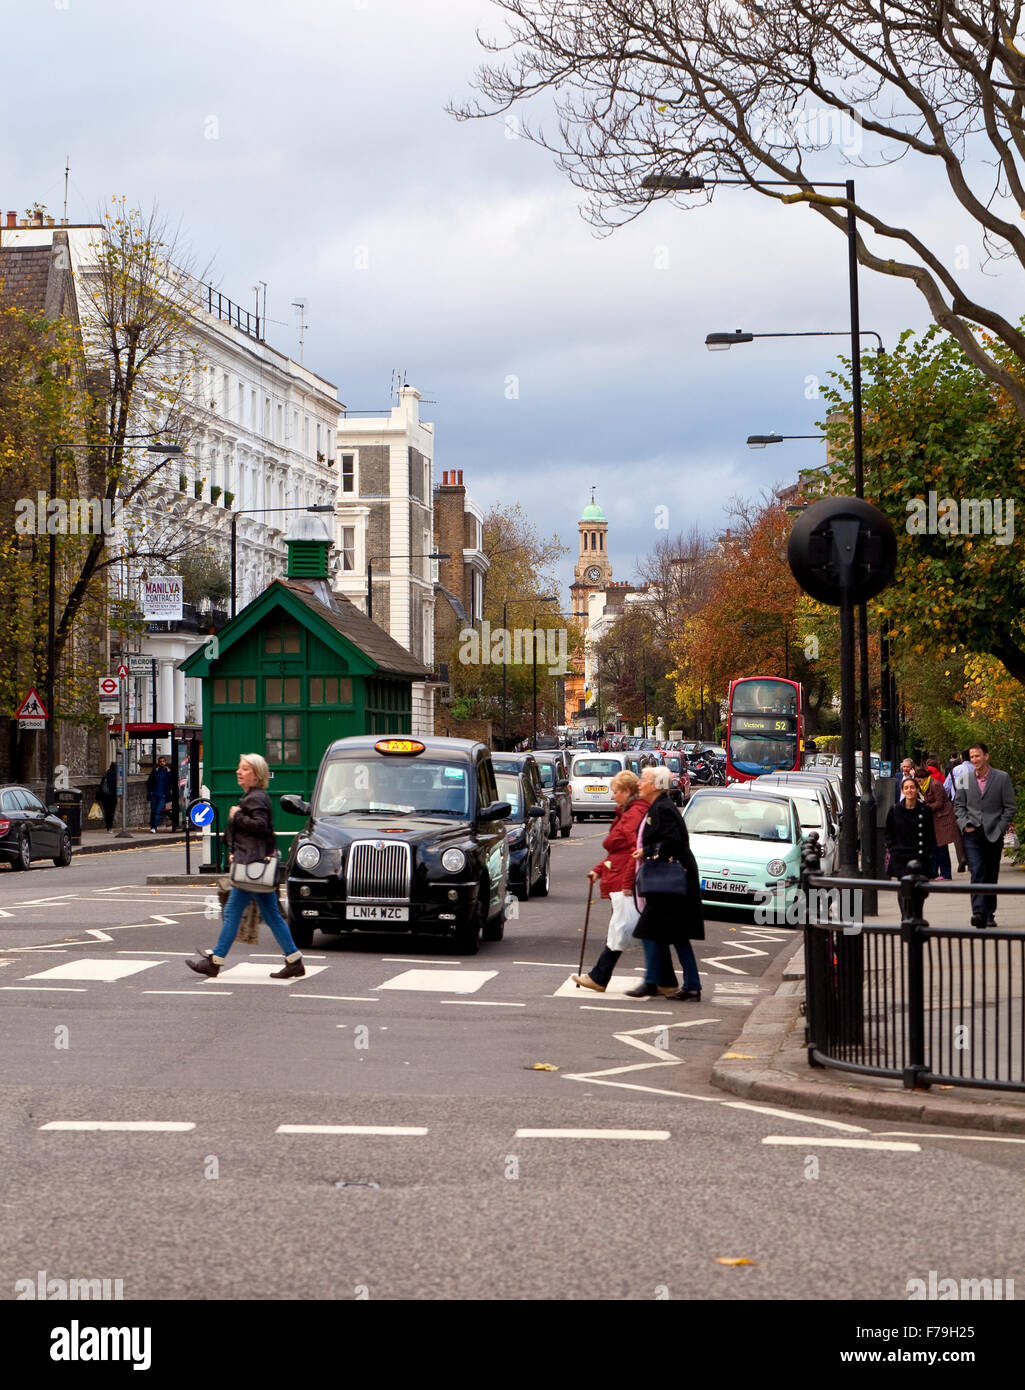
(308, 857)
(775, 868)
(453, 860)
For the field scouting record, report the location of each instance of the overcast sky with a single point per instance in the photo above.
(451, 252)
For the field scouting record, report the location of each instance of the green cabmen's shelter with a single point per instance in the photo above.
(297, 668)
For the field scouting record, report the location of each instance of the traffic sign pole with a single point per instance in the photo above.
(122, 690)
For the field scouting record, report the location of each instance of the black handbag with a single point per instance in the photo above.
(661, 876)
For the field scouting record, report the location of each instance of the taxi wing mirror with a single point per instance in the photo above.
(536, 811)
(294, 805)
(497, 810)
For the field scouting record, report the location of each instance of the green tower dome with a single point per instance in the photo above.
(592, 512)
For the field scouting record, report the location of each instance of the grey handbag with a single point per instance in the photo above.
(259, 877)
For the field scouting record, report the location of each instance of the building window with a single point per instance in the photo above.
(266, 417)
(235, 690)
(327, 452)
(348, 548)
(294, 441)
(241, 403)
(282, 738)
(348, 472)
(226, 396)
(281, 639)
(280, 434)
(584, 535)
(306, 435)
(330, 690)
(601, 540)
(281, 690)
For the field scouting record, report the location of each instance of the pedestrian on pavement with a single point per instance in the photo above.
(107, 796)
(616, 874)
(666, 919)
(158, 789)
(250, 838)
(907, 769)
(984, 806)
(944, 823)
(909, 831)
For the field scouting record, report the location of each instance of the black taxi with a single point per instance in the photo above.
(402, 834)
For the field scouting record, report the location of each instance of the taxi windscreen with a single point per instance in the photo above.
(509, 789)
(394, 786)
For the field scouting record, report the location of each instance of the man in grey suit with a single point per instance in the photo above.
(984, 807)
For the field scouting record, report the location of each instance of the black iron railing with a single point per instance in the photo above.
(924, 1004)
(228, 311)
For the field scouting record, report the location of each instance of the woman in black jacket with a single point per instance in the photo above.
(909, 831)
(250, 837)
(667, 919)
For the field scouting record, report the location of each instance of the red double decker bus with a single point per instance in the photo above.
(764, 728)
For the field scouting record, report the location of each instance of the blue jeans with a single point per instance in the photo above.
(237, 902)
(658, 965)
(157, 802)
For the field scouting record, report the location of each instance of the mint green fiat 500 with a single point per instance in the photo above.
(748, 849)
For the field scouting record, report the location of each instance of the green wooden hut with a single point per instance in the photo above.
(297, 668)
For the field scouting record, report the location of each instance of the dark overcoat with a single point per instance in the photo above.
(664, 918)
(910, 835)
(250, 832)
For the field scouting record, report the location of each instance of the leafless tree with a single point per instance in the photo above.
(723, 90)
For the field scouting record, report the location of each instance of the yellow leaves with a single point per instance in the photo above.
(732, 1260)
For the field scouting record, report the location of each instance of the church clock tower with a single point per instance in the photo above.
(592, 573)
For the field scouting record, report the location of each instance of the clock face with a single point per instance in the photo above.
(594, 574)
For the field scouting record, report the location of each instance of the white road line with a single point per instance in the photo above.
(613, 1009)
(406, 1130)
(792, 1115)
(140, 1126)
(97, 934)
(147, 951)
(207, 993)
(484, 1003)
(966, 1138)
(47, 989)
(268, 955)
(592, 1134)
(819, 1142)
(419, 960)
(554, 965)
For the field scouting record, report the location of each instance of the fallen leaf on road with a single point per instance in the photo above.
(543, 1066)
(728, 1260)
(747, 1056)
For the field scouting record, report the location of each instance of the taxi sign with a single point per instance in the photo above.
(399, 745)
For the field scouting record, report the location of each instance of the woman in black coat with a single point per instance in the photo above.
(909, 831)
(667, 919)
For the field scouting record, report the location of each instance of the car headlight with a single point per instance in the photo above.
(453, 860)
(308, 857)
(775, 868)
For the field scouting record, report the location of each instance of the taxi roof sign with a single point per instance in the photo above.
(399, 745)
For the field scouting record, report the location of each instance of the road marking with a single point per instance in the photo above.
(419, 960)
(819, 1142)
(48, 989)
(407, 1130)
(346, 998)
(612, 1009)
(260, 974)
(592, 1134)
(554, 965)
(209, 993)
(148, 951)
(272, 955)
(105, 971)
(967, 1138)
(445, 981)
(484, 1003)
(97, 934)
(791, 1115)
(140, 1126)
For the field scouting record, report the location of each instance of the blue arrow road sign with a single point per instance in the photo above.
(202, 813)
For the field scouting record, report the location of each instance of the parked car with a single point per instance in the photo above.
(590, 777)
(814, 811)
(748, 848)
(679, 771)
(529, 851)
(401, 834)
(527, 764)
(554, 770)
(29, 831)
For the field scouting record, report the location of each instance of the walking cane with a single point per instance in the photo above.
(587, 918)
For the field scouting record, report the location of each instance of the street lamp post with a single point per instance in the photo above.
(51, 605)
(262, 511)
(527, 598)
(400, 555)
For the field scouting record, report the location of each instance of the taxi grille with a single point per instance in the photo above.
(379, 873)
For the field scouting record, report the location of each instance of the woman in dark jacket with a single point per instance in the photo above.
(250, 837)
(667, 920)
(617, 874)
(909, 831)
(107, 796)
(944, 823)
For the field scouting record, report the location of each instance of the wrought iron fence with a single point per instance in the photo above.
(912, 1001)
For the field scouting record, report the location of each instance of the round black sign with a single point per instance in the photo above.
(842, 547)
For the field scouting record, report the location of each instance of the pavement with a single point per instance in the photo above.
(769, 1060)
(100, 842)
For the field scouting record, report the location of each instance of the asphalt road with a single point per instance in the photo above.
(456, 1170)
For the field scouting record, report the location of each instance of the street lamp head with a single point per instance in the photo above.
(674, 183)
(438, 555)
(321, 507)
(722, 342)
(168, 450)
(759, 441)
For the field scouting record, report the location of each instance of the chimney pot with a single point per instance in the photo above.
(460, 477)
(444, 479)
(12, 219)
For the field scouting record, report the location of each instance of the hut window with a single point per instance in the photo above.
(282, 738)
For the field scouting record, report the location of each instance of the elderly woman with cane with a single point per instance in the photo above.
(616, 874)
(668, 892)
(250, 837)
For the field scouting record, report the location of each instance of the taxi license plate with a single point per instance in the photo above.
(592, 790)
(722, 885)
(377, 914)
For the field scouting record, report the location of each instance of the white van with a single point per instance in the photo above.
(590, 778)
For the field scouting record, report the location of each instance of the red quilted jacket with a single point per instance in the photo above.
(618, 869)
